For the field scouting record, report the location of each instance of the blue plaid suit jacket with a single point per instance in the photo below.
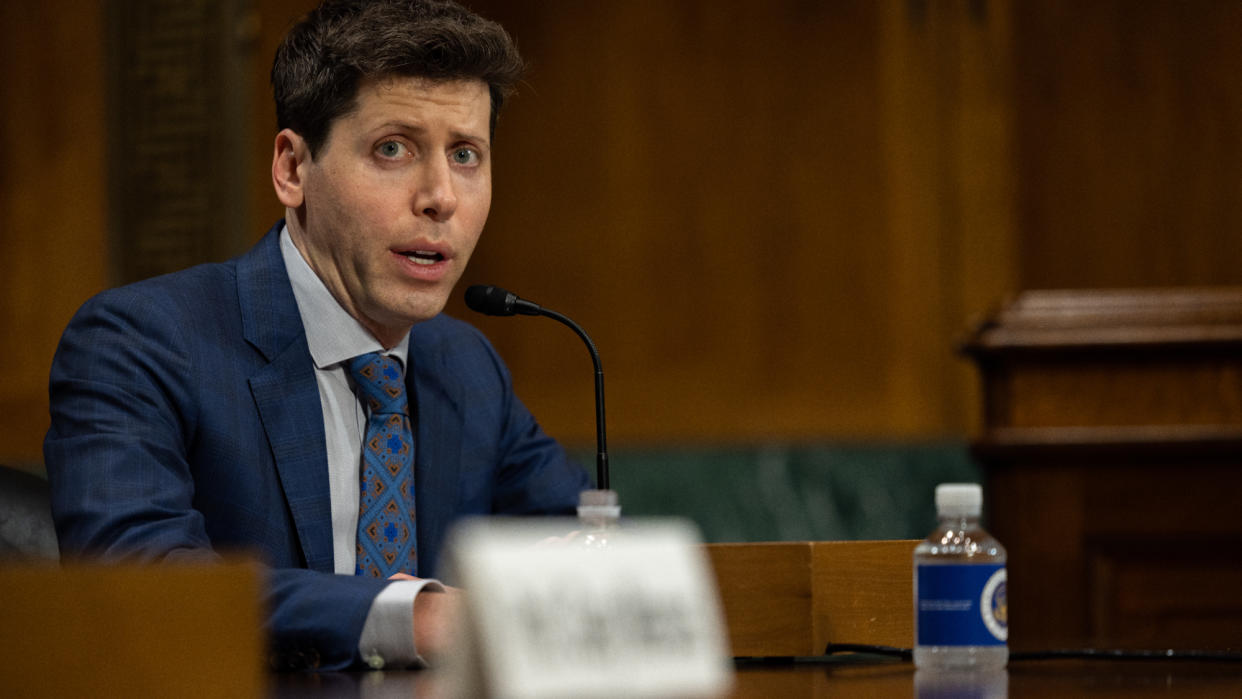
(186, 422)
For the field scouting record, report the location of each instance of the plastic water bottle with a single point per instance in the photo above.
(961, 610)
(598, 514)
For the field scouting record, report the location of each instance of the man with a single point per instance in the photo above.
(245, 405)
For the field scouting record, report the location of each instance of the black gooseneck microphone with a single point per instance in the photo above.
(494, 301)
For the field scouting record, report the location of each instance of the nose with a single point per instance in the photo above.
(435, 195)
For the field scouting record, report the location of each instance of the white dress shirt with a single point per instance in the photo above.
(334, 337)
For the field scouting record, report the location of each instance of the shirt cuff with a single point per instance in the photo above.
(387, 638)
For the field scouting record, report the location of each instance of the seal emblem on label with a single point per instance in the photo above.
(994, 606)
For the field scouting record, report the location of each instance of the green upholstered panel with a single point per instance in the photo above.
(792, 493)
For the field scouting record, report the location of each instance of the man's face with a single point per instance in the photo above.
(396, 198)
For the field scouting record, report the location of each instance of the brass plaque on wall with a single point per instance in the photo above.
(177, 91)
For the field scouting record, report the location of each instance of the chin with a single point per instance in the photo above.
(424, 308)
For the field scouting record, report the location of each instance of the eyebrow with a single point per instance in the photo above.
(456, 134)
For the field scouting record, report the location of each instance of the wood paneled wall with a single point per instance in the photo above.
(1129, 116)
(776, 219)
(773, 217)
(53, 209)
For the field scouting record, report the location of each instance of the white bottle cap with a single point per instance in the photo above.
(597, 498)
(599, 503)
(959, 499)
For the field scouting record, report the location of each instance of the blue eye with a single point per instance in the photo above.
(465, 156)
(391, 149)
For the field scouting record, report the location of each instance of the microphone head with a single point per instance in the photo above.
(490, 300)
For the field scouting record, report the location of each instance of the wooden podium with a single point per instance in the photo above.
(793, 598)
(1112, 448)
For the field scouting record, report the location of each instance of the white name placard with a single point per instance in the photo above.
(634, 613)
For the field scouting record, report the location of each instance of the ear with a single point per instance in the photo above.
(288, 156)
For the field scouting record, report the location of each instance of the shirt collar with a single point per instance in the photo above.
(331, 332)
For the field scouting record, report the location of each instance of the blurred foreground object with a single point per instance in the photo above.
(547, 617)
(130, 630)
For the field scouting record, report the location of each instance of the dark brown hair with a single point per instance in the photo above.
(325, 57)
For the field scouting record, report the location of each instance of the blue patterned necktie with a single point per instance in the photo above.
(386, 532)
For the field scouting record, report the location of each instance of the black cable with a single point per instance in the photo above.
(888, 651)
(1192, 654)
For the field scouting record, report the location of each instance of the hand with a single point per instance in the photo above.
(435, 616)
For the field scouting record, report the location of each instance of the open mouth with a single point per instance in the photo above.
(423, 257)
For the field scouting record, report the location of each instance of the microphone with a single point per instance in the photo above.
(494, 301)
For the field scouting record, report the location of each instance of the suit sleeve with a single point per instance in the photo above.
(535, 475)
(123, 414)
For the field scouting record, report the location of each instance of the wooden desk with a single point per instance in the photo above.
(1049, 678)
(810, 592)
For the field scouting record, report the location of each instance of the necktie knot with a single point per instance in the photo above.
(381, 383)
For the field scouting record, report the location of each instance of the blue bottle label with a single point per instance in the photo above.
(962, 605)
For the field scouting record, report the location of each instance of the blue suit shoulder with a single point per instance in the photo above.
(207, 291)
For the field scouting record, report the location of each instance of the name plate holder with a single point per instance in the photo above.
(634, 613)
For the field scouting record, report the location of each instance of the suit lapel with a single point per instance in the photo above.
(287, 396)
(437, 460)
